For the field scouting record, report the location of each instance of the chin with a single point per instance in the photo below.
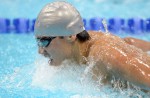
(53, 62)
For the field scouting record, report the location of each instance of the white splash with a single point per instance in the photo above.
(66, 77)
(105, 25)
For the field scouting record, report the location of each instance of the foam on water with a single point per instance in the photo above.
(41, 79)
(64, 77)
(67, 77)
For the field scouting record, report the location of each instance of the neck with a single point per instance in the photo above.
(80, 51)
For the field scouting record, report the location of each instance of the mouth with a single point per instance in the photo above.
(46, 55)
(51, 61)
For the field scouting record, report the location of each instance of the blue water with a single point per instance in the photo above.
(26, 74)
(101, 8)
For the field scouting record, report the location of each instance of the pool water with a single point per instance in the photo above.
(26, 74)
(101, 8)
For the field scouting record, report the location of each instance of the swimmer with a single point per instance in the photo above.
(60, 35)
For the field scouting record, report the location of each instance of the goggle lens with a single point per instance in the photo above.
(44, 42)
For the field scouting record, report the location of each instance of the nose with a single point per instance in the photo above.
(41, 50)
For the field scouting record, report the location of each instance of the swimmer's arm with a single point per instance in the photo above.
(144, 45)
(123, 64)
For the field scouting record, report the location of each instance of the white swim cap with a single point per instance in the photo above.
(58, 19)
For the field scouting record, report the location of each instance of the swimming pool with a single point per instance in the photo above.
(24, 73)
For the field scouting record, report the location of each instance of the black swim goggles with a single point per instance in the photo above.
(45, 41)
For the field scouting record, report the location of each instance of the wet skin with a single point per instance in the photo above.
(112, 55)
(144, 45)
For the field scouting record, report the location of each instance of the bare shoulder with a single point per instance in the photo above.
(142, 44)
(110, 48)
(95, 33)
(114, 55)
(101, 41)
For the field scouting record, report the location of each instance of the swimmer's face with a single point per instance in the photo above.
(57, 49)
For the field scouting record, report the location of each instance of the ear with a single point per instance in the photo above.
(71, 39)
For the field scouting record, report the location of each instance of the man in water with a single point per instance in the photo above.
(60, 35)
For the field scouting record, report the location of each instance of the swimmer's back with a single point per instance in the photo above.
(126, 61)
